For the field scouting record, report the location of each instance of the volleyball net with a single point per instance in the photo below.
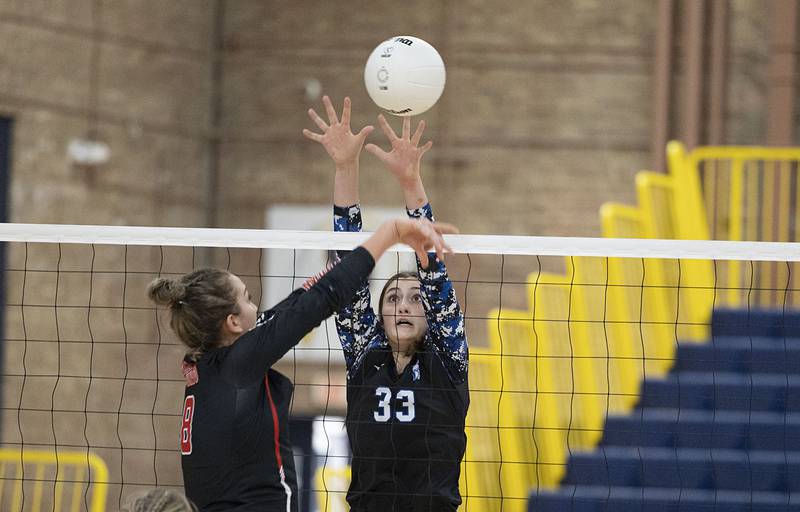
(565, 335)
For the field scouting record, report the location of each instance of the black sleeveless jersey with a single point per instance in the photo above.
(235, 445)
(406, 433)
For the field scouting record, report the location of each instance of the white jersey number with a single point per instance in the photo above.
(408, 413)
(384, 412)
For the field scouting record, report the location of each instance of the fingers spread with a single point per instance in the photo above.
(311, 135)
(440, 248)
(346, 111)
(445, 228)
(422, 255)
(446, 247)
(317, 120)
(375, 150)
(364, 133)
(418, 133)
(424, 149)
(332, 119)
(387, 130)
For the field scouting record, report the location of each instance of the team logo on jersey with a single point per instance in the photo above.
(189, 371)
(415, 371)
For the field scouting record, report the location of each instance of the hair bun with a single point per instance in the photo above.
(166, 291)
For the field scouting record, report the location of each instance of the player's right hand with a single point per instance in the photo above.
(343, 146)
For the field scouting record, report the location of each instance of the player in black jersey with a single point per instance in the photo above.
(234, 444)
(407, 392)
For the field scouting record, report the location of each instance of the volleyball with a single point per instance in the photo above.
(404, 75)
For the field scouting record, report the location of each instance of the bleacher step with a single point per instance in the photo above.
(648, 499)
(694, 468)
(739, 354)
(775, 323)
(723, 391)
(675, 428)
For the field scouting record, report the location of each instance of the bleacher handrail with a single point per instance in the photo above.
(41, 458)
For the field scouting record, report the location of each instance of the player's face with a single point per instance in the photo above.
(244, 303)
(403, 314)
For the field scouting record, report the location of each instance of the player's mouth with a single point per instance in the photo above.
(403, 321)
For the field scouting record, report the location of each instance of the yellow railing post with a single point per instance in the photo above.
(41, 459)
(708, 190)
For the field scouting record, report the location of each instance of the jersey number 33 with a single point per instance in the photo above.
(405, 405)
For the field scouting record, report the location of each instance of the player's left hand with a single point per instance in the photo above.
(403, 161)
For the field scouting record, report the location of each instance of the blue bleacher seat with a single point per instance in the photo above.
(677, 428)
(737, 322)
(721, 432)
(647, 499)
(688, 468)
(739, 354)
(722, 391)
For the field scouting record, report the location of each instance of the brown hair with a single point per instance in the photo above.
(159, 500)
(199, 302)
(406, 274)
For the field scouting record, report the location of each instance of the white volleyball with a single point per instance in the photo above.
(404, 75)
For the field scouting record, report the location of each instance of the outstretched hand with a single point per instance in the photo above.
(423, 235)
(420, 234)
(404, 158)
(343, 146)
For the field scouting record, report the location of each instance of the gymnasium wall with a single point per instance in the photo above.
(545, 106)
(134, 72)
(546, 113)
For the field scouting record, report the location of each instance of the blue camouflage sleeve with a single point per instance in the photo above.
(445, 319)
(356, 323)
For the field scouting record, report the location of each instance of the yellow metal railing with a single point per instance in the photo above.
(744, 194)
(502, 444)
(590, 336)
(46, 480)
(330, 488)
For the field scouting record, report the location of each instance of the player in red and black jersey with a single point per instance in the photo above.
(407, 388)
(234, 441)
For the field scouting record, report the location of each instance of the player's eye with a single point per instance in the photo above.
(392, 298)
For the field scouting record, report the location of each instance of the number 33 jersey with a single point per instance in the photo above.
(406, 433)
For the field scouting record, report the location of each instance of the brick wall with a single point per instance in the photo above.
(546, 115)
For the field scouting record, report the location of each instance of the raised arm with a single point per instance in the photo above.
(356, 322)
(403, 159)
(445, 319)
(282, 327)
(344, 148)
(444, 316)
